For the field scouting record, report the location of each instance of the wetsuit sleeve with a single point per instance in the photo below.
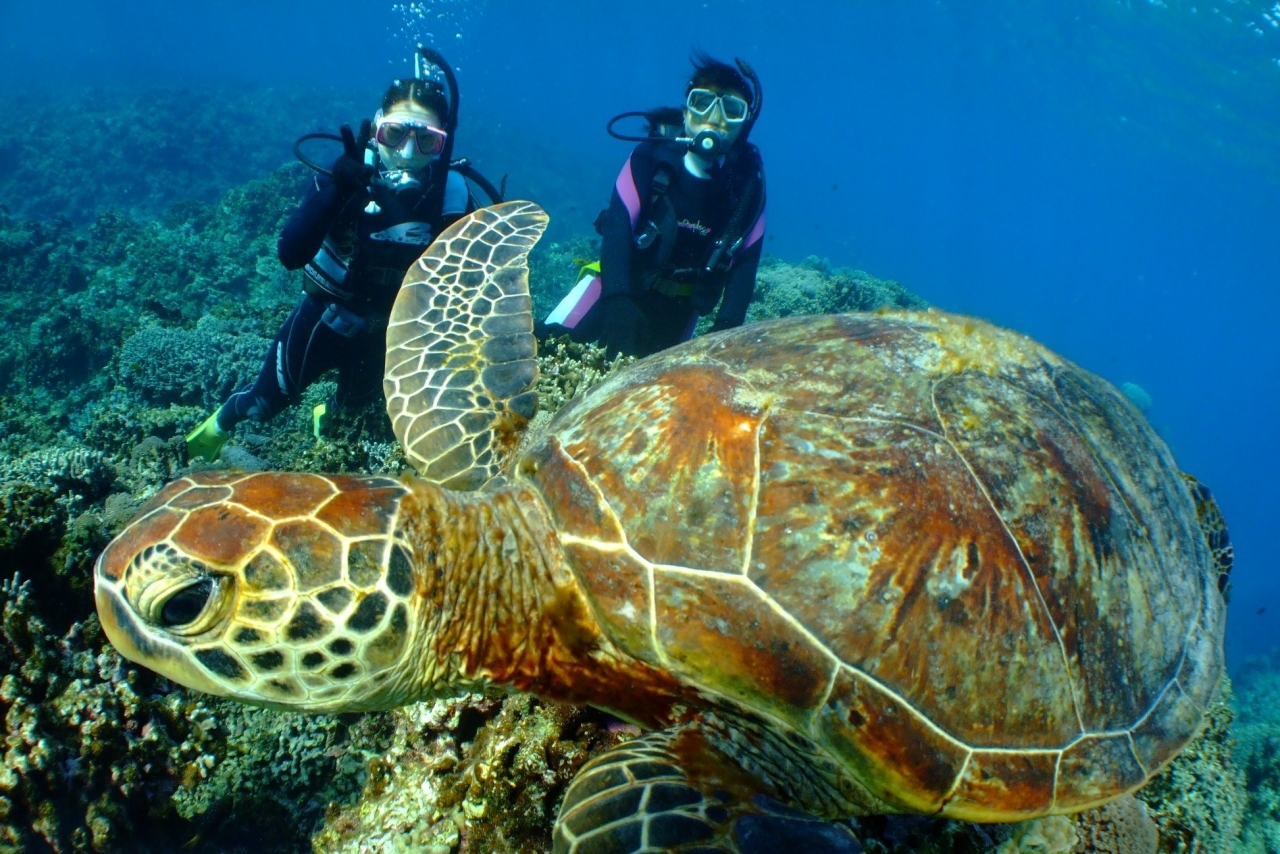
(617, 245)
(302, 235)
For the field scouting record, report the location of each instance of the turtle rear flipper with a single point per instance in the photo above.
(460, 366)
(673, 792)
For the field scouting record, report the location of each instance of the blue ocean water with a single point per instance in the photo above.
(1101, 175)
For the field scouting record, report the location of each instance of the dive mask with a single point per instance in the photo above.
(702, 101)
(394, 133)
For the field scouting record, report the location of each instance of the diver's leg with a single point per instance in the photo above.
(360, 374)
(302, 350)
(668, 321)
(614, 322)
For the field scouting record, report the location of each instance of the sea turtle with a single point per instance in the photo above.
(839, 565)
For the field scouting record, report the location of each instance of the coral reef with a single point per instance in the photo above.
(157, 146)
(89, 753)
(566, 369)
(157, 321)
(471, 774)
(1120, 827)
(1198, 801)
(1257, 750)
(168, 365)
(814, 287)
(117, 278)
(1055, 834)
(101, 756)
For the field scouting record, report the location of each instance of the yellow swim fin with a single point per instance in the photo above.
(206, 441)
(318, 416)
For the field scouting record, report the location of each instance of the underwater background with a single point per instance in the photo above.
(1101, 175)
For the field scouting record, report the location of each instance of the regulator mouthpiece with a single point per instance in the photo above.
(707, 143)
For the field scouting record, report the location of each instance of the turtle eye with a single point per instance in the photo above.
(184, 606)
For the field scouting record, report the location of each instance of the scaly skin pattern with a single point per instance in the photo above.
(341, 593)
(920, 550)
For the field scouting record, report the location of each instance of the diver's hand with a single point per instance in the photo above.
(350, 173)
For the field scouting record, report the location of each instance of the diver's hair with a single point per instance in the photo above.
(710, 73)
(424, 93)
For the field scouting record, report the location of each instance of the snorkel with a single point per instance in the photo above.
(423, 60)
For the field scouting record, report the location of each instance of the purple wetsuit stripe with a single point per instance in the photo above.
(757, 232)
(626, 187)
(753, 237)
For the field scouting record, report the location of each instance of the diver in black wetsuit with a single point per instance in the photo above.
(355, 234)
(685, 225)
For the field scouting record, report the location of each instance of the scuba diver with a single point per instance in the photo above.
(685, 226)
(360, 227)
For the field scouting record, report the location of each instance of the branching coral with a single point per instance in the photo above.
(472, 774)
(200, 366)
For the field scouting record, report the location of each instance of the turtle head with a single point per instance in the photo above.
(283, 590)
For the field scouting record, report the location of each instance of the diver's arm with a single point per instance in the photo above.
(302, 235)
(616, 250)
(617, 245)
(740, 288)
(449, 217)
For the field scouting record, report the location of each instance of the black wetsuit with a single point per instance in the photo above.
(342, 318)
(651, 296)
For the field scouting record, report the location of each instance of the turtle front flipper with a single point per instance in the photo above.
(673, 791)
(460, 365)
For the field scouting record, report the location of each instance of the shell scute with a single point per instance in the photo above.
(220, 533)
(314, 553)
(1178, 713)
(152, 527)
(276, 498)
(891, 747)
(1093, 768)
(896, 561)
(198, 496)
(1020, 782)
(720, 632)
(682, 471)
(363, 512)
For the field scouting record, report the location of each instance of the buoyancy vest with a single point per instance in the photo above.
(376, 238)
(706, 248)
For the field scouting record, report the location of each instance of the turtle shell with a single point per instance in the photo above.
(965, 567)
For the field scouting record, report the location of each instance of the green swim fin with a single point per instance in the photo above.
(206, 441)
